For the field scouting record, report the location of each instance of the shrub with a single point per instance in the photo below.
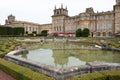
(85, 32)
(92, 76)
(21, 73)
(112, 75)
(9, 31)
(78, 33)
(44, 33)
(103, 75)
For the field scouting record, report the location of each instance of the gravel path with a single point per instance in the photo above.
(4, 76)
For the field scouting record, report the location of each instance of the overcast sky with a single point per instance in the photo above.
(40, 11)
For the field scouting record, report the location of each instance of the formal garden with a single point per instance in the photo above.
(8, 44)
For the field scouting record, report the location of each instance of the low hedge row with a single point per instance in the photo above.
(104, 75)
(6, 47)
(112, 75)
(21, 73)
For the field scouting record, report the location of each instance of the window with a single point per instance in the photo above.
(66, 28)
(103, 26)
(57, 28)
(54, 28)
(104, 34)
(33, 29)
(92, 26)
(60, 28)
(109, 16)
(109, 26)
(109, 33)
(98, 34)
(92, 17)
(103, 17)
(98, 26)
(98, 18)
(82, 26)
(29, 28)
(82, 17)
(26, 28)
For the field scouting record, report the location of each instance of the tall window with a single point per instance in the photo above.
(83, 17)
(103, 26)
(29, 28)
(109, 26)
(60, 28)
(109, 16)
(92, 17)
(98, 18)
(54, 28)
(109, 34)
(104, 34)
(92, 26)
(82, 26)
(98, 34)
(26, 29)
(103, 17)
(98, 27)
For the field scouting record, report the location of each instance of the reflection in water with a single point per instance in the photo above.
(62, 56)
(24, 55)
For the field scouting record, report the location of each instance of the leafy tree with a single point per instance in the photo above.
(85, 32)
(78, 33)
(11, 31)
(18, 31)
(44, 33)
(34, 32)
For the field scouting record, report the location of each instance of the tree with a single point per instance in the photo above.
(18, 31)
(44, 33)
(85, 32)
(78, 33)
(9, 31)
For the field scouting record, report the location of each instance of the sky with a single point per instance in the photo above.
(40, 11)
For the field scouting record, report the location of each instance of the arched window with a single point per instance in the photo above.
(104, 34)
(109, 33)
(98, 34)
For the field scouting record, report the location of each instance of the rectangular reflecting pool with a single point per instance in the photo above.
(62, 55)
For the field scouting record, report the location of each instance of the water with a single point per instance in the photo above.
(63, 55)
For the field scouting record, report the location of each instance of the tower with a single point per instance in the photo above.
(117, 16)
(10, 19)
(58, 19)
(117, 1)
(60, 11)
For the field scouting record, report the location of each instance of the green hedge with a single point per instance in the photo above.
(4, 30)
(92, 76)
(21, 73)
(104, 75)
(6, 47)
(112, 75)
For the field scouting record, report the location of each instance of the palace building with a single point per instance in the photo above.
(100, 24)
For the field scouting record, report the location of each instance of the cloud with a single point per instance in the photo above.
(40, 11)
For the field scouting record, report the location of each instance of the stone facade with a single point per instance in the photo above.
(100, 24)
(46, 27)
(28, 26)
